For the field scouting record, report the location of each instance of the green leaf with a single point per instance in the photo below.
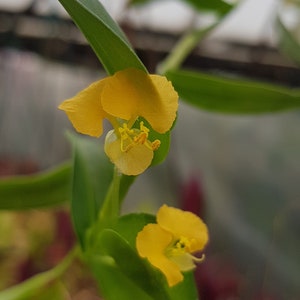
(131, 265)
(234, 96)
(288, 44)
(112, 282)
(103, 34)
(185, 289)
(92, 176)
(34, 287)
(43, 189)
(219, 6)
(129, 225)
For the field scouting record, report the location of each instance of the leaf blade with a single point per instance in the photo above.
(232, 96)
(103, 34)
(39, 190)
(92, 175)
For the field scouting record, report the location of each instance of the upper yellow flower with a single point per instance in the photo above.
(169, 244)
(121, 99)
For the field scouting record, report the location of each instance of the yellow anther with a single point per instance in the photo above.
(133, 137)
(155, 144)
(141, 138)
(143, 128)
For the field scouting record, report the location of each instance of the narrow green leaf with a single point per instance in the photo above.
(92, 175)
(131, 265)
(288, 43)
(104, 35)
(33, 287)
(232, 96)
(219, 6)
(112, 283)
(43, 189)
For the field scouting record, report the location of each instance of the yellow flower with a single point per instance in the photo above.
(169, 244)
(122, 99)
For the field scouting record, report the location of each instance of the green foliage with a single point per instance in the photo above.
(103, 34)
(44, 189)
(35, 287)
(234, 96)
(218, 6)
(92, 175)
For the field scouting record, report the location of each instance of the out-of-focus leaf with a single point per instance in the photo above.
(219, 6)
(35, 191)
(40, 285)
(49, 291)
(92, 176)
(232, 96)
(134, 2)
(288, 44)
(103, 34)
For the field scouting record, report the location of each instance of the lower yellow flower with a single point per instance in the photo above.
(169, 244)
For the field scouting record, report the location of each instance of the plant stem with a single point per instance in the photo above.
(183, 48)
(111, 205)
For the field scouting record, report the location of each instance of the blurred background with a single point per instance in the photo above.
(240, 173)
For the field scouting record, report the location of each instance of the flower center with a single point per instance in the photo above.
(131, 137)
(178, 247)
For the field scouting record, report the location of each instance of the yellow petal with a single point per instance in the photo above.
(132, 162)
(151, 243)
(85, 111)
(130, 93)
(184, 224)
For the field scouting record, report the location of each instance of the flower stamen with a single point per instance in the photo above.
(133, 137)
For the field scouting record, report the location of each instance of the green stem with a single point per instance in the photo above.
(111, 205)
(28, 288)
(183, 48)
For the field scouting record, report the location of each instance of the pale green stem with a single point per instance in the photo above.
(28, 288)
(183, 48)
(111, 205)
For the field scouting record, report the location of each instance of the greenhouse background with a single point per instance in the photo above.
(240, 172)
